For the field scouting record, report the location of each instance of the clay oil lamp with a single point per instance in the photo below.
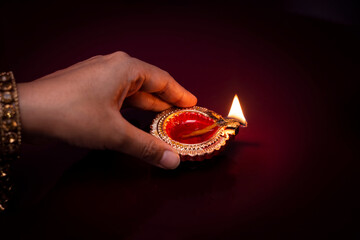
(197, 133)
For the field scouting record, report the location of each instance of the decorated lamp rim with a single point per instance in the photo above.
(215, 143)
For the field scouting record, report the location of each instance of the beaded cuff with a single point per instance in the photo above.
(10, 135)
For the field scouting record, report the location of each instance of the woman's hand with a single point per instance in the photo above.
(81, 105)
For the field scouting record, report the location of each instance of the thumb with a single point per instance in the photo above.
(142, 145)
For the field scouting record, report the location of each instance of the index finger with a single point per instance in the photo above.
(160, 83)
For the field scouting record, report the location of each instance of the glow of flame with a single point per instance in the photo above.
(236, 111)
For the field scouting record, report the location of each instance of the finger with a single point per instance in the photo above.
(142, 145)
(159, 82)
(146, 101)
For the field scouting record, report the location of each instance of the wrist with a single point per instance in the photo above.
(30, 110)
(44, 108)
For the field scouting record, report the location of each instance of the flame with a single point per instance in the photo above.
(236, 111)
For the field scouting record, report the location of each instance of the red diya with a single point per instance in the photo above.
(197, 133)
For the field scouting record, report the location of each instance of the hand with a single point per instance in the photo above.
(81, 105)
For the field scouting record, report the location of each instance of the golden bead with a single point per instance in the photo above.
(4, 78)
(10, 137)
(3, 173)
(9, 110)
(6, 86)
(6, 97)
(9, 124)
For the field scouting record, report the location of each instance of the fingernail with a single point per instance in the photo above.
(169, 160)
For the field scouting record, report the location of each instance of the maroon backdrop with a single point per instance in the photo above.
(291, 174)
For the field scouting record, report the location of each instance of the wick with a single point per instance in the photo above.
(222, 122)
(200, 131)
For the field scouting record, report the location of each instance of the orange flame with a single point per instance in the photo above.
(236, 111)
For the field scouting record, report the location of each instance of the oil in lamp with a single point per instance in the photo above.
(197, 133)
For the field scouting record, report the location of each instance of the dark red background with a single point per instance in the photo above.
(293, 173)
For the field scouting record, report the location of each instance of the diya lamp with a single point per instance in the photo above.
(198, 133)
